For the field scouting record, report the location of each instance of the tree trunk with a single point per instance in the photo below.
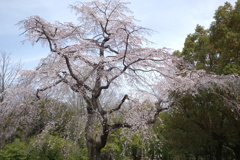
(237, 152)
(96, 135)
(219, 151)
(93, 153)
(91, 136)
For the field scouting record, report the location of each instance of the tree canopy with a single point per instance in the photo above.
(216, 49)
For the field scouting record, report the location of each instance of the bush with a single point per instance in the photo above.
(51, 147)
(16, 150)
(47, 147)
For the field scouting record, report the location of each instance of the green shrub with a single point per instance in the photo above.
(16, 150)
(51, 147)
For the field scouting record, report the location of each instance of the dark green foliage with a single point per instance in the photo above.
(114, 147)
(16, 150)
(207, 124)
(199, 51)
(216, 49)
(202, 125)
(132, 145)
(51, 147)
(225, 36)
(47, 147)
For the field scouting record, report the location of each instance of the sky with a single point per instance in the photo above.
(172, 21)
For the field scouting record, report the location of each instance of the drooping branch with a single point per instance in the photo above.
(111, 49)
(74, 76)
(228, 100)
(116, 76)
(78, 88)
(119, 106)
(47, 35)
(120, 125)
(152, 121)
(48, 87)
(92, 64)
(126, 49)
(159, 109)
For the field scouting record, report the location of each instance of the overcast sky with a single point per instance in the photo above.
(172, 20)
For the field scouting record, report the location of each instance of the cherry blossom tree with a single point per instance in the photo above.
(105, 51)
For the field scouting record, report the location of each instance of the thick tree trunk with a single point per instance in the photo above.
(96, 135)
(97, 128)
(91, 136)
(219, 152)
(94, 153)
(237, 152)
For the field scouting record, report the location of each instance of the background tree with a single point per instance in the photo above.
(216, 49)
(203, 125)
(225, 37)
(199, 51)
(207, 121)
(9, 71)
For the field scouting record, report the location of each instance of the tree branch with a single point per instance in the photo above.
(152, 121)
(159, 109)
(116, 76)
(112, 50)
(119, 106)
(45, 88)
(120, 125)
